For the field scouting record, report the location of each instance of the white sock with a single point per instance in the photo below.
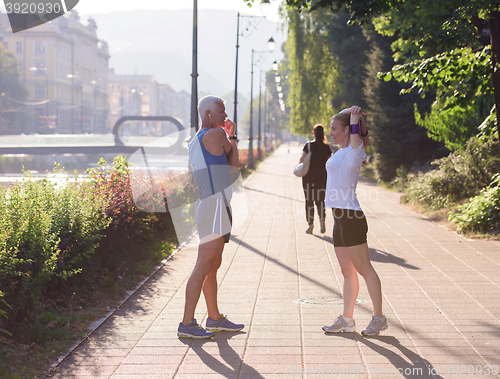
(347, 318)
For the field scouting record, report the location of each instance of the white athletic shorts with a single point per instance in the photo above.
(213, 217)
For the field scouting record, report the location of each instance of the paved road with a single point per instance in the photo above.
(441, 297)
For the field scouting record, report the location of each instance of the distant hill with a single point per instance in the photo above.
(160, 43)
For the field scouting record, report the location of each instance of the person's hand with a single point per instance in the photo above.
(229, 127)
(357, 110)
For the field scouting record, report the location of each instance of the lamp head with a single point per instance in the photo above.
(275, 66)
(271, 44)
(265, 7)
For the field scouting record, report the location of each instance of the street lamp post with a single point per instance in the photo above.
(275, 68)
(260, 116)
(264, 8)
(271, 45)
(194, 74)
(250, 132)
(265, 119)
(236, 76)
(235, 112)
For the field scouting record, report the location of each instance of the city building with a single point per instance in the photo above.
(64, 67)
(132, 95)
(175, 104)
(142, 95)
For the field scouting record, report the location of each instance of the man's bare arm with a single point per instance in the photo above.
(231, 150)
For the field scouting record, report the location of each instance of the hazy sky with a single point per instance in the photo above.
(100, 6)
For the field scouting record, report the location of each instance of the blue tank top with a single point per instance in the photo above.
(211, 172)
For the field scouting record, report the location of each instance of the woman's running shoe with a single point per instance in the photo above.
(193, 330)
(223, 325)
(376, 325)
(341, 325)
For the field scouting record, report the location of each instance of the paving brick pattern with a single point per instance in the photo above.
(441, 297)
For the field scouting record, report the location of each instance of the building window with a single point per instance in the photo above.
(19, 47)
(39, 48)
(40, 68)
(39, 92)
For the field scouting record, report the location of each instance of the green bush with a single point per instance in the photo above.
(482, 212)
(132, 233)
(45, 232)
(64, 246)
(458, 176)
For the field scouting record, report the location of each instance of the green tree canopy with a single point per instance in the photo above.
(430, 40)
(447, 50)
(325, 60)
(331, 65)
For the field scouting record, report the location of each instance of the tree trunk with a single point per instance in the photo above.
(494, 22)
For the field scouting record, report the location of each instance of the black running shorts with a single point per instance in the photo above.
(350, 227)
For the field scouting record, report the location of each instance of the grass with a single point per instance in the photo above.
(56, 330)
(33, 360)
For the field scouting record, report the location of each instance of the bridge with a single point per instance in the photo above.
(169, 142)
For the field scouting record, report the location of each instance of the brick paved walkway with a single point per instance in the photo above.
(441, 297)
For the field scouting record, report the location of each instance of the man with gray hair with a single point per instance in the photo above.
(213, 155)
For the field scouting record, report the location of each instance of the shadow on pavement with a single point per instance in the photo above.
(324, 237)
(275, 261)
(273, 194)
(377, 255)
(231, 363)
(310, 279)
(414, 366)
(139, 302)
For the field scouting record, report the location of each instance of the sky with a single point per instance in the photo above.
(85, 7)
(99, 9)
(107, 6)
(96, 7)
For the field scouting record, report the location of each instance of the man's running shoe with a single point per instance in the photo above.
(223, 325)
(376, 325)
(341, 325)
(193, 330)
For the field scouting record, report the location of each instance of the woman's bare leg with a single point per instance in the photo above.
(351, 283)
(360, 258)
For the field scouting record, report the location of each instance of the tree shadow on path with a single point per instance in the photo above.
(406, 362)
(231, 365)
(377, 255)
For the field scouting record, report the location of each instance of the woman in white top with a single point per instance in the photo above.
(349, 232)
